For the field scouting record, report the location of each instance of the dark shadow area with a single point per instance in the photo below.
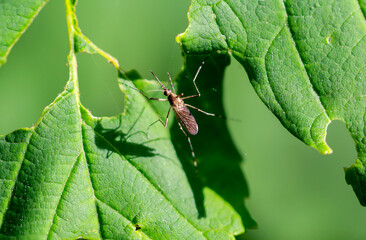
(116, 137)
(218, 159)
(193, 174)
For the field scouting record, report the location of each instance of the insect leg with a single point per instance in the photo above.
(210, 114)
(191, 96)
(167, 118)
(159, 120)
(194, 81)
(189, 141)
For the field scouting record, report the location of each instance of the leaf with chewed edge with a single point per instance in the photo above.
(73, 175)
(305, 59)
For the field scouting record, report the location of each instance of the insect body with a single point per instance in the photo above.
(182, 113)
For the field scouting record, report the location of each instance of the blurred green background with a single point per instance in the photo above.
(295, 192)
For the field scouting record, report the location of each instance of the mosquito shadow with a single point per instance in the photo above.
(111, 137)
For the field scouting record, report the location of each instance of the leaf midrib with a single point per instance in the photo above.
(146, 179)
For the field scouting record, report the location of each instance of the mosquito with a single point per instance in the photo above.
(183, 115)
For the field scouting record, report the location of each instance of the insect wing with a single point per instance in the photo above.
(187, 119)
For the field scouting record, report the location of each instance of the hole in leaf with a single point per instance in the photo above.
(99, 90)
(329, 39)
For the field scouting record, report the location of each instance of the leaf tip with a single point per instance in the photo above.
(322, 147)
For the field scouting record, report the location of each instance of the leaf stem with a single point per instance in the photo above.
(72, 63)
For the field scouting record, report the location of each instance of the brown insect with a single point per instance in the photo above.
(183, 115)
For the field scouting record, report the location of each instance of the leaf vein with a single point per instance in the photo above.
(59, 200)
(265, 67)
(16, 178)
(302, 60)
(216, 20)
(114, 210)
(147, 180)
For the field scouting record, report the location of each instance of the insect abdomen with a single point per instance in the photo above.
(187, 119)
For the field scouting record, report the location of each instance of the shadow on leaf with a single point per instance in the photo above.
(119, 139)
(219, 162)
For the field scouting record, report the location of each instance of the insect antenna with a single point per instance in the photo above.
(156, 77)
(171, 82)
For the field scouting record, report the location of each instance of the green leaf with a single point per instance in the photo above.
(218, 159)
(305, 59)
(74, 175)
(15, 18)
